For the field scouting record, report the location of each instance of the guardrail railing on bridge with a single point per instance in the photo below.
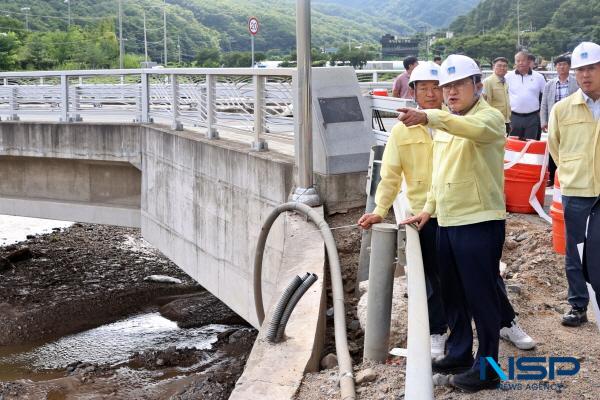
(257, 102)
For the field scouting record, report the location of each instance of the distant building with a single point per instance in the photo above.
(393, 47)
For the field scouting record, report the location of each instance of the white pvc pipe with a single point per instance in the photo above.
(419, 380)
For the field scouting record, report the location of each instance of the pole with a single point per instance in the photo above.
(179, 48)
(69, 6)
(145, 39)
(303, 38)
(305, 192)
(121, 49)
(252, 47)
(165, 31)
(381, 282)
(518, 25)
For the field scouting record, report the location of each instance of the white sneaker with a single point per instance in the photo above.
(438, 345)
(517, 336)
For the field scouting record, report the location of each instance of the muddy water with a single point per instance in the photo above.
(15, 229)
(111, 344)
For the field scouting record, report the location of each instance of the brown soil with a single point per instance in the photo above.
(89, 275)
(537, 289)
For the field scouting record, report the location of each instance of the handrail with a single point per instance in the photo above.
(153, 71)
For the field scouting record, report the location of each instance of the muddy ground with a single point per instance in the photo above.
(537, 288)
(89, 275)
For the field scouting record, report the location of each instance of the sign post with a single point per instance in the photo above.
(253, 29)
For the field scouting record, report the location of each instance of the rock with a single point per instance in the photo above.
(514, 288)
(511, 244)
(329, 312)
(160, 362)
(354, 325)
(161, 278)
(21, 254)
(5, 264)
(366, 375)
(441, 380)
(503, 269)
(200, 310)
(329, 361)
(30, 237)
(522, 237)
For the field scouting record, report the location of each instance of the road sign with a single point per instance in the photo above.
(253, 25)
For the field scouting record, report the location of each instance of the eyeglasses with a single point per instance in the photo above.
(458, 85)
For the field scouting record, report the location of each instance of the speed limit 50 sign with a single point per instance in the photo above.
(253, 25)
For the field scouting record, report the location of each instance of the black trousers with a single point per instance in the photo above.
(577, 210)
(469, 258)
(437, 317)
(591, 258)
(526, 127)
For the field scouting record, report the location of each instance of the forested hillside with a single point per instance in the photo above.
(548, 27)
(37, 33)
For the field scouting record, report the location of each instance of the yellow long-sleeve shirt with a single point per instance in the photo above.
(407, 155)
(468, 166)
(574, 142)
(496, 94)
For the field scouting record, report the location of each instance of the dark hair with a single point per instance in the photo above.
(530, 57)
(503, 59)
(437, 58)
(408, 61)
(562, 58)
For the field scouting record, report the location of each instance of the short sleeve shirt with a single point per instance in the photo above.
(524, 91)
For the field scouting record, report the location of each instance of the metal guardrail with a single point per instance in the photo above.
(257, 102)
(248, 101)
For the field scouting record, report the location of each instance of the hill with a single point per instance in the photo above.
(548, 27)
(196, 24)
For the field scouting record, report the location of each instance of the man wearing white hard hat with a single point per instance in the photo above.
(467, 194)
(574, 140)
(407, 157)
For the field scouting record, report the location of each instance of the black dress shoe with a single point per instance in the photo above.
(471, 382)
(446, 365)
(575, 317)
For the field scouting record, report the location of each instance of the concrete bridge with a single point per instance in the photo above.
(198, 179)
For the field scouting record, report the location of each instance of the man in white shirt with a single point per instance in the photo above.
(525, 88)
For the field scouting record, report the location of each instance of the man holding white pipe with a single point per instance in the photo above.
(407, 156)
(467, 194)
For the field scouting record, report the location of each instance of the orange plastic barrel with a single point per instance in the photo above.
(380, 92)
(520, 179)
(558, 220)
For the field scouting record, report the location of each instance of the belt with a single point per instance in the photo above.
(526, 114)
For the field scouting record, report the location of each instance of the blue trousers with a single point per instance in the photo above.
(577, 210)
(469, 258)
(437, 317)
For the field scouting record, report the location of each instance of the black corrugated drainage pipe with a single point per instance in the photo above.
(337, 286)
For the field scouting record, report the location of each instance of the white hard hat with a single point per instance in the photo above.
(586, 53)
(425, 71)
(457, 67)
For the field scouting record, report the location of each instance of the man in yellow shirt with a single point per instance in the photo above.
(467, 194)
(408, 154)
(495, 89)
(574, 140)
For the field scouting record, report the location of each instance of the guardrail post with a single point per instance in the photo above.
(64, 98)
(375, 76)
(260, 126)
(13, 104)
(211, 109)
(175, 124)
(381, 283)
(144, 100)
(76, 117)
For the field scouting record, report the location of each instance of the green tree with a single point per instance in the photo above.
(9, 50)
(208, 58)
